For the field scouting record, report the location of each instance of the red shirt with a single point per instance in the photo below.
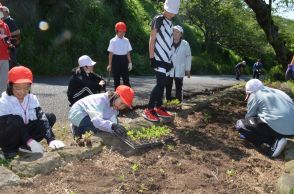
(4, 51)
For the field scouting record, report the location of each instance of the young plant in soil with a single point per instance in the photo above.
(172, 103)
(5, 163)
(150, 134)
(85, 140)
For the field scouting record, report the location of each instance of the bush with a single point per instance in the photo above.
(276, 73)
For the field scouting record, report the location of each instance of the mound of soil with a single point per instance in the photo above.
(207, 156)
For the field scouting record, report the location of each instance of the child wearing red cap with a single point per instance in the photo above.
(119, 59)
(23, 124)
(99, 111)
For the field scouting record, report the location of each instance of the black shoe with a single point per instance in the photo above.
(25, 148)
(9, 155)
(278, 147)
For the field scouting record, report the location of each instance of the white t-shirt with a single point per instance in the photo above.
(119, 46)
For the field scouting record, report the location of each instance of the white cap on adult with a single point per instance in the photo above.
(179, 28)
(172, 6)
(85, 60)
(252, 86)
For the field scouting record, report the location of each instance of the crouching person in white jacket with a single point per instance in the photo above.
(22, 122)
(98, 112)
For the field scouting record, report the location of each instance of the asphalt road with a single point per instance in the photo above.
(51, 92)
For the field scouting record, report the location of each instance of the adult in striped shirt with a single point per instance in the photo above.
(160, 53)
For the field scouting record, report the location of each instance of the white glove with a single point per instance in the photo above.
(92, 113)
(35, 146)
(56, 144)
(130, 67)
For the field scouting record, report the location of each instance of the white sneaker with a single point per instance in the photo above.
(278, 147)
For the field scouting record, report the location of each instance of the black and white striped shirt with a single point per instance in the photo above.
(164, 38)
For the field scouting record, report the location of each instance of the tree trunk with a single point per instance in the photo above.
(264, 19)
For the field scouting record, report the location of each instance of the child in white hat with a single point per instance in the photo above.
(84, 81)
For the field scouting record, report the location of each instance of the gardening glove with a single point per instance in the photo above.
(56, 144)
(35, 146)
(130, 67)
(92, 113)
(102, 83)
(119, 130)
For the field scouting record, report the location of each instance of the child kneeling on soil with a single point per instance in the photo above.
(269, 117)
(22, 122)
(99, 112)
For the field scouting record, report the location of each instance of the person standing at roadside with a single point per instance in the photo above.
(119, 58)
(15, 36)
(160, 53)
(257, 66)
(238, 68)
(4, 52)
(181, 60)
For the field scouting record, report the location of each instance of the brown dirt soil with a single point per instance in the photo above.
(207, 156)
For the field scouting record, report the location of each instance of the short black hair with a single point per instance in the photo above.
(9, 89)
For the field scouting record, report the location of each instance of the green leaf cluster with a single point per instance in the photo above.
(172, 103)
(153, 132)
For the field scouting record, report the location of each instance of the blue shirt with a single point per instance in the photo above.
(273, 107)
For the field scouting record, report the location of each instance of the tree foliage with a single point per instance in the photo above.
(222, 23)
(263, 11)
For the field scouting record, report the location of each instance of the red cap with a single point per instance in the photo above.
(126, 94)
(121, 26)
(20, 74)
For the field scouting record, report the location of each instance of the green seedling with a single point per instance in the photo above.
(153, 132)
(231, 172)
(172, 103)
(87, 137)
(161, 170)
(170, 147)
(135, 167)
(292, 190)
(122, 177)
(5, 163)
(207, 117)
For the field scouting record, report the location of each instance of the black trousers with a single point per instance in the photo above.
(158, 90)
(120, 69)
(238, 73)
(179, 88)
(256, 74)
(12, 128)
(258, 132)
